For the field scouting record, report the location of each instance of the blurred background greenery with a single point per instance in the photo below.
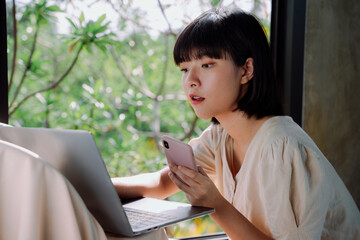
(106, 66)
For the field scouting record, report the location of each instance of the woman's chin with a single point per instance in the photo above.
(203, 115)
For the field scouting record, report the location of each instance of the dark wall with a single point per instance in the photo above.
(332, 85)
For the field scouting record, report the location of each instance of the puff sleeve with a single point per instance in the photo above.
(293, 190)
(203, 148)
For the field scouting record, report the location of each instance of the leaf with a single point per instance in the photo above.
(72, 23)
(100, 29)
(72, 46)
(34, 66)
(122, 25)
(89, 28)
(81, 18)
(54, 8)
(41, 4)
(214, 3)
(98, 85)
(101, 19)
(88, 48)
(26, 14)
(105, 40)
(100, 46)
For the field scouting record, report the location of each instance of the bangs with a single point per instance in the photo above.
(192, 52)
(205, 37)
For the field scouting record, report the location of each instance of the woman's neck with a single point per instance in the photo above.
(240, 127)
(242, 130)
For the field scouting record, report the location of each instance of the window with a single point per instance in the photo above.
(106, 66)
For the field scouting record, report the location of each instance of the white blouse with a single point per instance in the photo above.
(286, 187)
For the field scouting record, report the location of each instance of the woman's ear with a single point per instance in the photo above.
(248, 73)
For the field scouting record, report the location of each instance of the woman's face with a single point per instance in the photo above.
(212, 86)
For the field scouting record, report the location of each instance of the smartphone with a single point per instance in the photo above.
(178, 153)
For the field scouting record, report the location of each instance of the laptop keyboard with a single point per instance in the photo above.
(139, 219)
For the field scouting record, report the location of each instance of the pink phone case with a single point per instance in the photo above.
(178, 153)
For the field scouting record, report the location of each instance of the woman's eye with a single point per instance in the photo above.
(184, 70)
(207, 65)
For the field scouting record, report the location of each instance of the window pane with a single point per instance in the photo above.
(106, 66)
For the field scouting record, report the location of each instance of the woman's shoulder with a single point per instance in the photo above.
(214, 132)
(212, 136)
(280, 129)
(279, 126)
(283, 137)
(282, 146)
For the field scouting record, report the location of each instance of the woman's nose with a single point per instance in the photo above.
(193, 79)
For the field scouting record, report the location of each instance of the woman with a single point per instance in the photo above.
(263, 175)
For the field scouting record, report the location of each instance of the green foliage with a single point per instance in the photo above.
(38, 12)
(215, 3)
(126, 91)
(91, 33)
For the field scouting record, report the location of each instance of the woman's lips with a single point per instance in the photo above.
(196, 99)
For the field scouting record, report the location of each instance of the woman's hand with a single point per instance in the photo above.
(156, 185)
(197, 186)
(201, 191)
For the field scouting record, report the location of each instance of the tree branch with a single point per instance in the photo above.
(192, 128)
(166, 52)
(124, 17)
(51, 86)
(156, 124)
(15, 46)
(28, 64)
(144, 91)
(165, 17)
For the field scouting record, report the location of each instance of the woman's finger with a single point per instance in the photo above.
(179, 183)
(185, 174)
(188, 176)
(201, 170)
(187, 171)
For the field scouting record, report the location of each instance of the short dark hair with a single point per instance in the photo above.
(218, 33)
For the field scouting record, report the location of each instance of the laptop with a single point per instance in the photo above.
(74, 153)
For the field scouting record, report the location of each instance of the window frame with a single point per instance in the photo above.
(4, 111)
(287, 40)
